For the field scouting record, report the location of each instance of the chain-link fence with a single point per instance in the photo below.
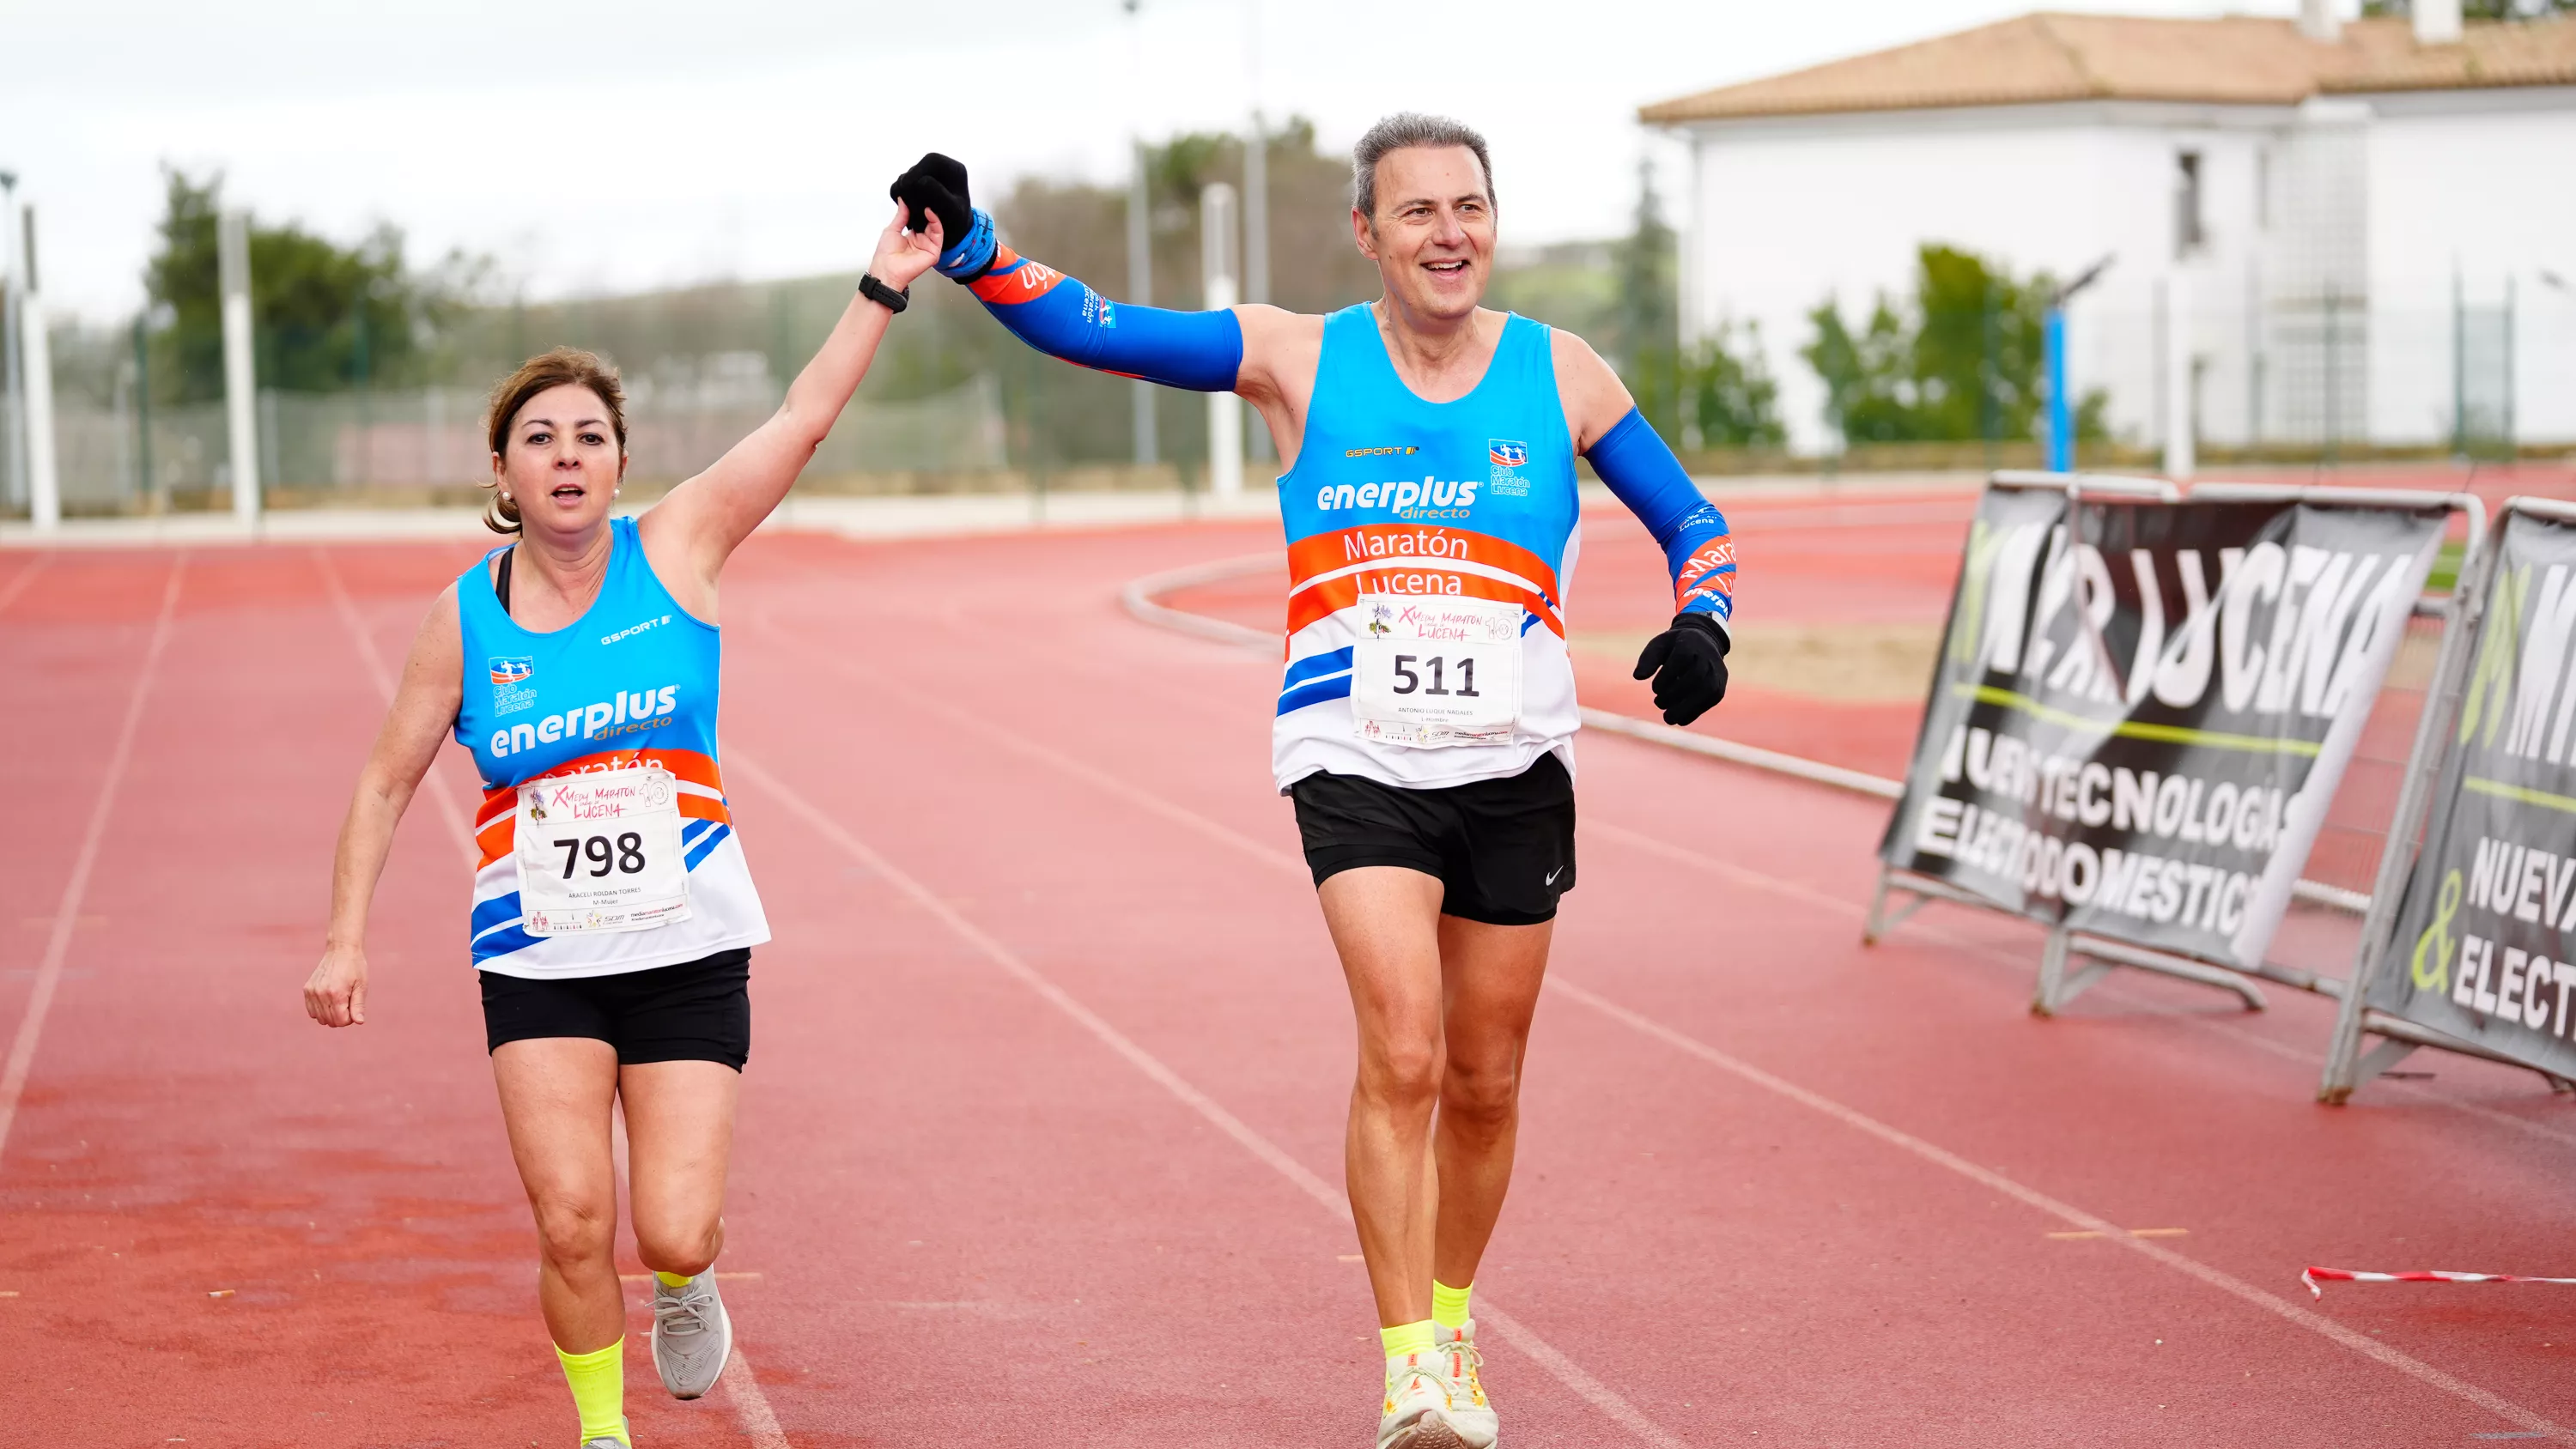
(955, 404)
(425, 445)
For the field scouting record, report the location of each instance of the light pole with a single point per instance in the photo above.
(1256, 198)
(14, 476)
(232, 270)
(2061, 408)
(1140, 236)
(1225, 410)
(35, 349)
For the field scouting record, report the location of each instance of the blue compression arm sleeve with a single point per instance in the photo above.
(1059, 316)
(1643, 474)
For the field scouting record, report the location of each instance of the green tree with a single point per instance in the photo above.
(1863, 373)
(1646, 342)
(1959, 360)
(323, 317)
(1729, 398)
(1976, 355)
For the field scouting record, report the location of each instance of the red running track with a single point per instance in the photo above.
(1041, 1133)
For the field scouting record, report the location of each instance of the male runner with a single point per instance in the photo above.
(1426, 713)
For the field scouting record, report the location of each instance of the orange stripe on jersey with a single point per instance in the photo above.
(1324, 599)
(1006, 283)
(1415, 545)
(1332, 570)
(496, 821)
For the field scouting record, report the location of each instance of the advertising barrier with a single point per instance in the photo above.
(2142, 709)
(2475, 949)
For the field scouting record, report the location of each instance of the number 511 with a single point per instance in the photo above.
(1409, 681)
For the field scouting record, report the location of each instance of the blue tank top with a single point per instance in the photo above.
(634, 681)
(1396, 501)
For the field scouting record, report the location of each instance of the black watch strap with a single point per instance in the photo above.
(883, 295)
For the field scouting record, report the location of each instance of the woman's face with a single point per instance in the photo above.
(563, 463)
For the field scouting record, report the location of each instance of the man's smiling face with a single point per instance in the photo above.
(1433, 235)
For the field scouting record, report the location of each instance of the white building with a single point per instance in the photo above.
(2307, 198)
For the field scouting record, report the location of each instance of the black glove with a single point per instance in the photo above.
(935, 186)
(1688, 663)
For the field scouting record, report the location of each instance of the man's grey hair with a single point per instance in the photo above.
(1395, 133)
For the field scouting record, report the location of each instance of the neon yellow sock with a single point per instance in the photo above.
(1449, 1305)
(1406, 1339)
(598, 1382)
(671, 1280)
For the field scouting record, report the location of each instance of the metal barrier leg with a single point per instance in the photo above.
(1880, 920)
(2059, 986)
(2380, 1058)
(2344, 1070)
(2048, 994)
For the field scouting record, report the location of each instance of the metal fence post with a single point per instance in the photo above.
(44, 478)
(232, 236)
(2459, 367)
(143, 418)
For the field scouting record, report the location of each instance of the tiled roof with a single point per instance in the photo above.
(2234, 60)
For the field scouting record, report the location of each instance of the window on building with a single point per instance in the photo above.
(2187, 229)
(2263, 188)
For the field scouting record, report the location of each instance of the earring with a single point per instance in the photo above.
(505, 495)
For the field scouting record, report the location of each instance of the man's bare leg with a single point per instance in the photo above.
(1385, 922)
(1490, 977)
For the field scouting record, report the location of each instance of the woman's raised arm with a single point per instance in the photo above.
(423, 711)
(705, 518)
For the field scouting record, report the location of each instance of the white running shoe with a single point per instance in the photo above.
(608, 1441)
(1418, 1400)
(692, 1335)
(1470, 1414)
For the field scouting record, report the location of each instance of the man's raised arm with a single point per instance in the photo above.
(1057, 314)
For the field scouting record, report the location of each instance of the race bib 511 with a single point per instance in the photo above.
(1432, 672)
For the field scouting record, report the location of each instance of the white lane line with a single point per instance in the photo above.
(444, 800)
(58, 942)
(25, 577)
(1057, 759)
(2228, 1283)
(1512, 1330)
(751, 1411)
(1774, 885)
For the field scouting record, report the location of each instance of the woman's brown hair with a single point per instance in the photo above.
(561, 367)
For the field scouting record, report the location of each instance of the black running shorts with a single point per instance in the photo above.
(697, 1011)
(1503, 849)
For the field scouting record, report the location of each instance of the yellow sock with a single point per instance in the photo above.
(1406, 1339)
(598, 1382)
(671, 1280)
(1449, 1305)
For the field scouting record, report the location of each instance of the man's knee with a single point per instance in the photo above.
(678, 1247)
(1403, 1066)
(573, 1228)
(1483, 1096)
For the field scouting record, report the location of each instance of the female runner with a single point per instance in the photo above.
(613, 912)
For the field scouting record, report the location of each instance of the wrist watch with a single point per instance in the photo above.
(883, 295)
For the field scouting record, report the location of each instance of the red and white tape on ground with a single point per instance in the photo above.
(2345, 1275)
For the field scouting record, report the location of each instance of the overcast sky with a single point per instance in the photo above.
(610, 146)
